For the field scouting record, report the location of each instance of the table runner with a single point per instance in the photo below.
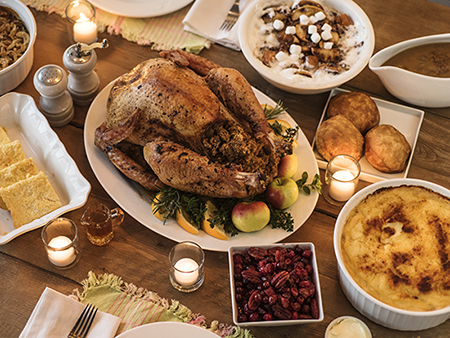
(163, 32)
(137, 306)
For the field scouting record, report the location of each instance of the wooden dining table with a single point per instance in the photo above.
(140, 256)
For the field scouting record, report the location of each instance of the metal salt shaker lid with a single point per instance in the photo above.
(50, 80)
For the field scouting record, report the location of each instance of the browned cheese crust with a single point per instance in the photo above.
(387, 150)
(337, 136)
(396, 246)
(357, 107)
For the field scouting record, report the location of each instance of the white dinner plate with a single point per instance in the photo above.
(140, 8)
(24, 122)
(137, 202)
(405, 119)
(168, 330)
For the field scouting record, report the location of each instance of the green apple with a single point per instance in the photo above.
(250, 216)
(282, 192)
(288, 166)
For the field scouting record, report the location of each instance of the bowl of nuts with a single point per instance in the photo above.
(275, 285)
(306, 47)
(17, 38)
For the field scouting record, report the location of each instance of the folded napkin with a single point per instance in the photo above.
(205, 18)
(55, 314)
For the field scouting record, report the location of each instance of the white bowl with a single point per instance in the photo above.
(417, 89)
(375, 310)
(276, 322)
(246, 31)
(347, 325)
(13, 75)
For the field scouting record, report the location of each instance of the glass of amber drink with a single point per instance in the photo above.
(100, 222)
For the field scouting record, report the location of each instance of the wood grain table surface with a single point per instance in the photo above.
(140, 256)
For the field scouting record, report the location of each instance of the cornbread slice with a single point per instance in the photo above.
(3, 136)
(15, 173)
(11, 153)
(30, 199)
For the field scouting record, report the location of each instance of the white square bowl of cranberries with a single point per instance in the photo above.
(275, 285)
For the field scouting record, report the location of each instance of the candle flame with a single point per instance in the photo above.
(83, 18)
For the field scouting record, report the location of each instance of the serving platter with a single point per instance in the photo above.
(405, 119)
(137, 202)
(169, 330)
(140, 8)
(24, 122)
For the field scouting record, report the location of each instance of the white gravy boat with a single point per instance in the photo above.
(417, 89)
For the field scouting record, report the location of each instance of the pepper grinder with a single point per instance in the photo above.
(80, 60)
(55, 101)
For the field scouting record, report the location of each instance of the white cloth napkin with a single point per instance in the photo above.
(205, 18)
(55, 314)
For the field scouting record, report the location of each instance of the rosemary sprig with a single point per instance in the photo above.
(271, 113)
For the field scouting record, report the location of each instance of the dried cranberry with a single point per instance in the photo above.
(267, 317)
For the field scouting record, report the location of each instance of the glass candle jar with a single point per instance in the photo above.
(82, 27)
(60, 238)
(186, 266)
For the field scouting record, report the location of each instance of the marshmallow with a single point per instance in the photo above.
(281, 56)
(290, 30)
(326, 35)
(326, 27)
(312, 19)
(278, 25)
(320, 16)
(327, 45)
(294, 57)
(304, 20)
(295, 49)
(272, 40)
(312, 29)
(315, 37)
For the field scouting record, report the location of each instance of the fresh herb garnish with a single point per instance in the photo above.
(307, 188)
(271, 113)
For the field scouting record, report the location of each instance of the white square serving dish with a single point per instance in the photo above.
(405, 119)
(314, 277)
(23, 121)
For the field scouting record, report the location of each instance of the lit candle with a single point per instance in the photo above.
(84, 30)
(344, 188)
(61, 257)
(186, 271)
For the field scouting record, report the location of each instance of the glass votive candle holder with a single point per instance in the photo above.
(186, 266)
(60, 237)
(82, 26)
(341, 179)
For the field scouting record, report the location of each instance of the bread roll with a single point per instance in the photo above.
(387, 150)
(357, 107)
(338, 136)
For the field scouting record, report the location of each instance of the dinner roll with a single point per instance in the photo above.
(357, 107)
(387, 150)
(338, 136)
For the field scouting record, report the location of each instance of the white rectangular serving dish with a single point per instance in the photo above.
(405, 119)
(276, 322)
(24, 122)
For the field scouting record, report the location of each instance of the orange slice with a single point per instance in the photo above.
(185, 222)
(218, 231)
(161, 212)
(284, 125)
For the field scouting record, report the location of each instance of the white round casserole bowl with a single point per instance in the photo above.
(14, 74)
(417, 89)
(367, 305)
(253, 12)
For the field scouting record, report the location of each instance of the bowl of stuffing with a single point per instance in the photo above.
(391, 247)
(17, 38)
(306, 47)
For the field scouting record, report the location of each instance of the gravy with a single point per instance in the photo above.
(431, 59)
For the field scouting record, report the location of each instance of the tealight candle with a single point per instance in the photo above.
(61, 257)
(81, 16)
(342, 187)
(186, 271)
(84, 31)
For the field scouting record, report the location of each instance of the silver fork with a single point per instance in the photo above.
(232, 17)
(84, 322)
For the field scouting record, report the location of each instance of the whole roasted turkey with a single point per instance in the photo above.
(201, 127)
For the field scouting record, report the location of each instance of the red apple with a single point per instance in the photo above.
(288, 166)
(250, 216)
(282, 192)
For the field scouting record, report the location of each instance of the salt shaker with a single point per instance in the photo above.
(80, 60)
(55, 101)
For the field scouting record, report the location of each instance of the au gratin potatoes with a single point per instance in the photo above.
(396, 246)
